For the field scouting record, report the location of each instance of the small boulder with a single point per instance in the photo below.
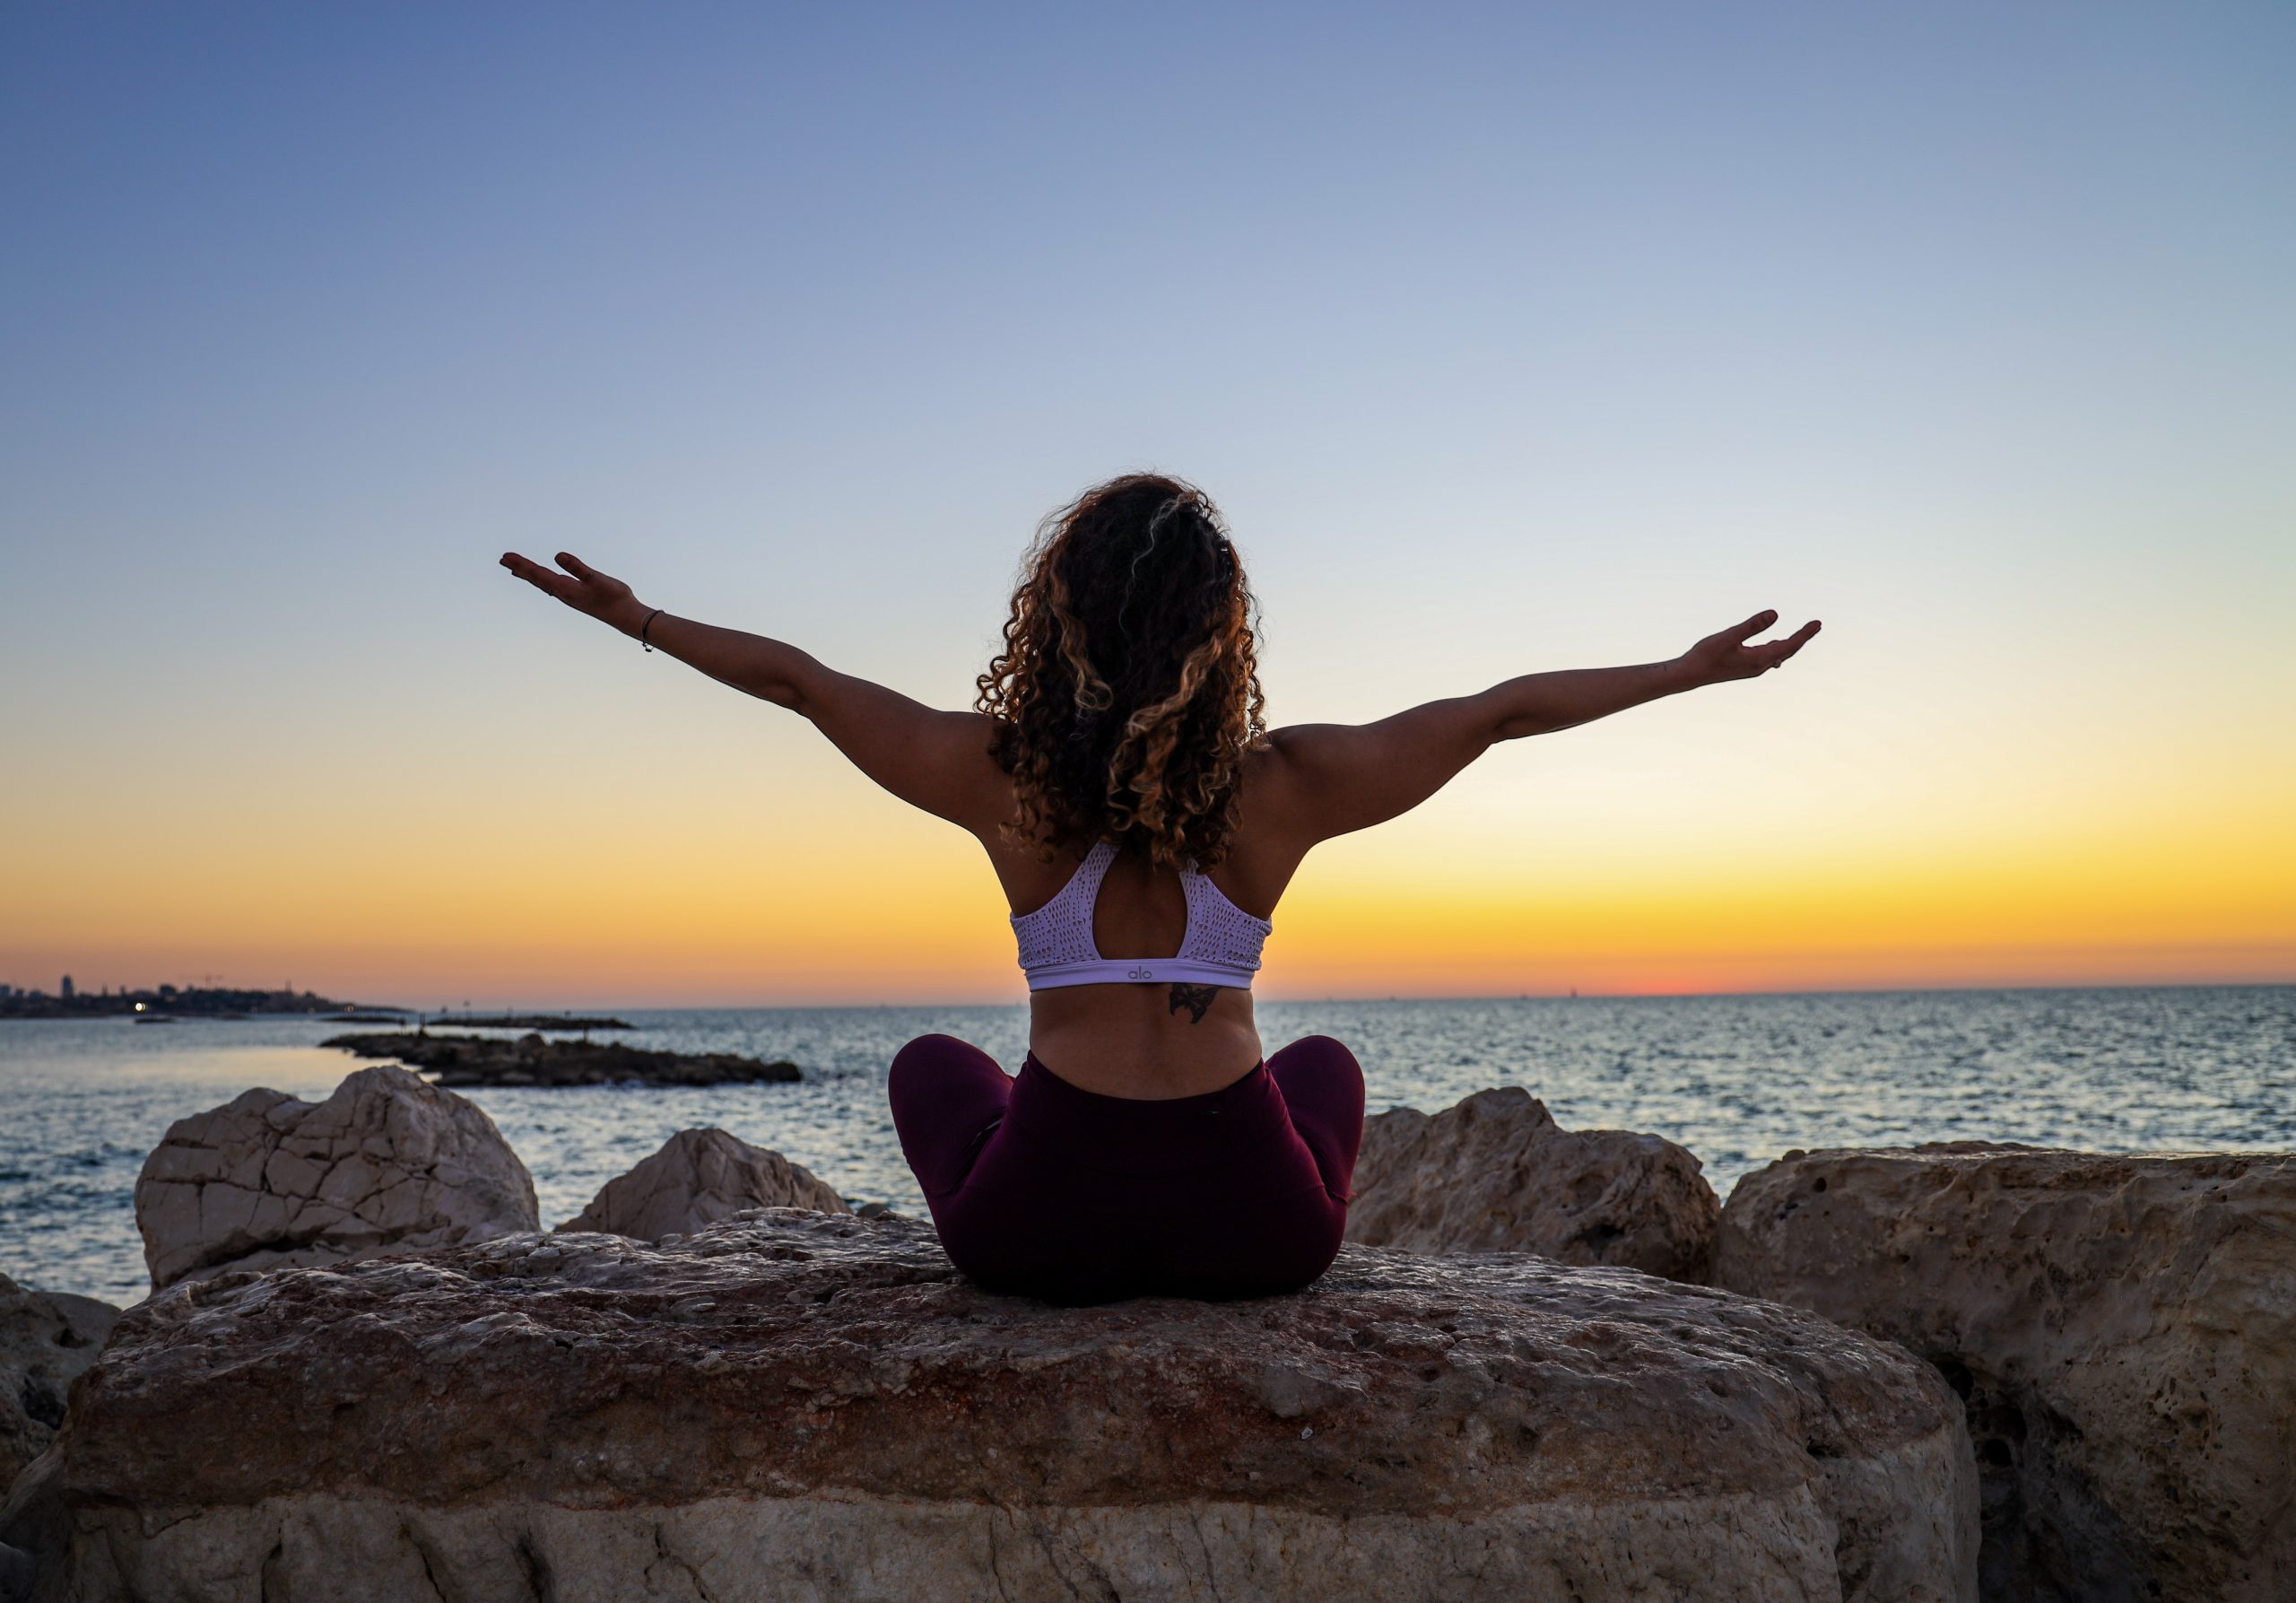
(389, 1163)
(46, 1339)
(697, 1178)
(1496, 1173)
(791, 1405)
(2122, 1329)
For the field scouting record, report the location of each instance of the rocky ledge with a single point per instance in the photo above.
(801, 1406)
(531, 1060)
(2123, 1328)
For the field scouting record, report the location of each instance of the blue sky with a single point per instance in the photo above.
(1510, 338)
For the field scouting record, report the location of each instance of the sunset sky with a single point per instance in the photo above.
(1507, 338)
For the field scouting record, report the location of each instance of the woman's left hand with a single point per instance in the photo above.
(1727, 655)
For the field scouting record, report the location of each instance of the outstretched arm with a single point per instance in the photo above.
(936, 761)
(1326, 779)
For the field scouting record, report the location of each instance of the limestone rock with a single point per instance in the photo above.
(389, 1163)
(798, 1406)
(1496, 1174)
(699, 1178)
(46, 1339)
(2123, 1330)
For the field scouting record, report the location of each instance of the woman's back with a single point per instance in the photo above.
(1144, 1037)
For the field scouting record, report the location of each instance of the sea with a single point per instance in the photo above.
(1737, 1079)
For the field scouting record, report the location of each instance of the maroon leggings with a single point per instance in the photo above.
(1043, 1189)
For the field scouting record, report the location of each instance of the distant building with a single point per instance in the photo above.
(67, 988)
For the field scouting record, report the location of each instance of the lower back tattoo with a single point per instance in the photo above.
(1195, 998)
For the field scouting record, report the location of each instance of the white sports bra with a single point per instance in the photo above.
(1221, 946)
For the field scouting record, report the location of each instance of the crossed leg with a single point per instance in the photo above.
(947, 1095)
(1323, 1086)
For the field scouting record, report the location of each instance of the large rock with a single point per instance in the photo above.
(46, 1339)
(792, 1405)
(1496, 1174)
(2123, 1330)
(699, 1178)
(389, 1163)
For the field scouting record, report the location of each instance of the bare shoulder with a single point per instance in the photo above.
(1312, 782)
(942, 762)
(966, 745)
(1269, 776)
(1288, 778)
(1271, 785)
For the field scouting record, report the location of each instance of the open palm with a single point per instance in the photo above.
(581, 586)
(1727, 655)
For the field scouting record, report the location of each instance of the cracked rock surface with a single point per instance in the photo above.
(795, 1406)
(1496, 1174)
(2123, 1328)
(389, 1163)
(697, 1178)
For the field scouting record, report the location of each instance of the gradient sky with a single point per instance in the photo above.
(1508, 338)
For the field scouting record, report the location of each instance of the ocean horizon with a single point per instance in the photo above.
(1738, 1078)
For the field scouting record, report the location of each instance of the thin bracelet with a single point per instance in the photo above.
(648, 624)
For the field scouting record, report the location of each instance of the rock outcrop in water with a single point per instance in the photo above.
(46, 1339)
(389, 1163)
(697, 1178)
(800, 1406)
(2123, 1328)
(1496, 1173)
(531, 1060)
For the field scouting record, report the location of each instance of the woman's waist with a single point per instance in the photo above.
(1175, 972)
(1150, 1042)
(1050, 1107)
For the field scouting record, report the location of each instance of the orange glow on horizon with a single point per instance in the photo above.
(927, 926)
(772, 875)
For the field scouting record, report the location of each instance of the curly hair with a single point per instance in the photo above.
(1127, 692)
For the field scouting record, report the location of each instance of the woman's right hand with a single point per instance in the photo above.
(584, 589)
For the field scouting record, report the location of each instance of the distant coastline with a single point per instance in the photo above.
(199, 1002)
(168, 1001)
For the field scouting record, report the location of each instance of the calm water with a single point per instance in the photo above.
(1736, 1079)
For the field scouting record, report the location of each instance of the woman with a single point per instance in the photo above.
(1145, 822)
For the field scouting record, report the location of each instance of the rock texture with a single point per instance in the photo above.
(532, 1060)
(796, 1406)
(699, 1178)
(2123, 1330)
(389, 1163)
(1496, 1174)
(46, 1339)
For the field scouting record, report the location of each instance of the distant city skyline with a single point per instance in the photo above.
(438, 1008)
(1508, 340)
